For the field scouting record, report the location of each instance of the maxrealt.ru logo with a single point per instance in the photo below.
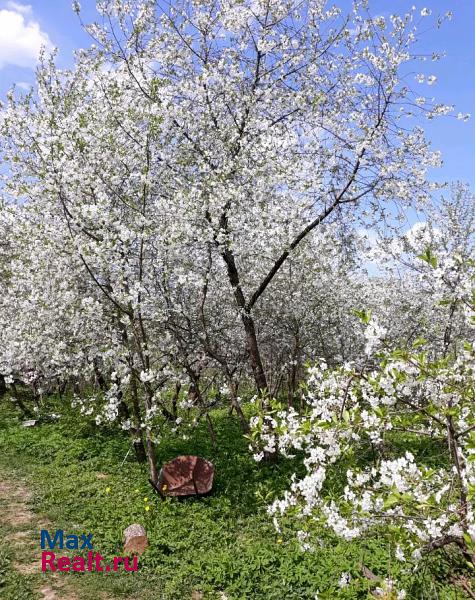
(92, 561)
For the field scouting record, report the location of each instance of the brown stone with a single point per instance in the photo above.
(136, 541)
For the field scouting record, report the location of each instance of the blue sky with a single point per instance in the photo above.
(25, 25)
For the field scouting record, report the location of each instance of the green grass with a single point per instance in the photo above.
(13, 585)
(223, 542)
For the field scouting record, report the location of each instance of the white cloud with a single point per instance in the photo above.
(21, 37)
(23, 85)
(24, 9)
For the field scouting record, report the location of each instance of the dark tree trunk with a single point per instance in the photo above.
(135, 431)
(176, 395)
(62, 385)
(248, 322)
(151, 457)
(99, 376)
(254, 352)
(139, 448)
(235, 404)
(26, 412)
(251, 336)
(195, 392)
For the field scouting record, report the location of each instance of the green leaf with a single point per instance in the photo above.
(363, 315)
(429, 258)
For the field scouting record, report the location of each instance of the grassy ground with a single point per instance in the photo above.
(221, 546)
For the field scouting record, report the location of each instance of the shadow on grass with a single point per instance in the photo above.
(76, 440)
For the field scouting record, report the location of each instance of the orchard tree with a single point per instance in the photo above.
(85, 178)
(422, 274)
(382, 418)
(275, 118)
(182, 170)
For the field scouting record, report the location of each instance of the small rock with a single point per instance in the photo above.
(30, 423)
(136, 541)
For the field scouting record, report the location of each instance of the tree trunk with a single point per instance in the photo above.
(196, 393)
(26, 412)
(235, 404)
(99, 376)
(139, 448)
(135, 431)
(248, 322)
(254, 352)
(151, 457)
(175, 398)
(149, 447)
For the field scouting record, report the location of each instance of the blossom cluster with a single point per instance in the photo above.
(376, 416)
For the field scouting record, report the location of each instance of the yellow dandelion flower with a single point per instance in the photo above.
(108, 490)
(279, 541)
(145, 499)
(147, 508)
